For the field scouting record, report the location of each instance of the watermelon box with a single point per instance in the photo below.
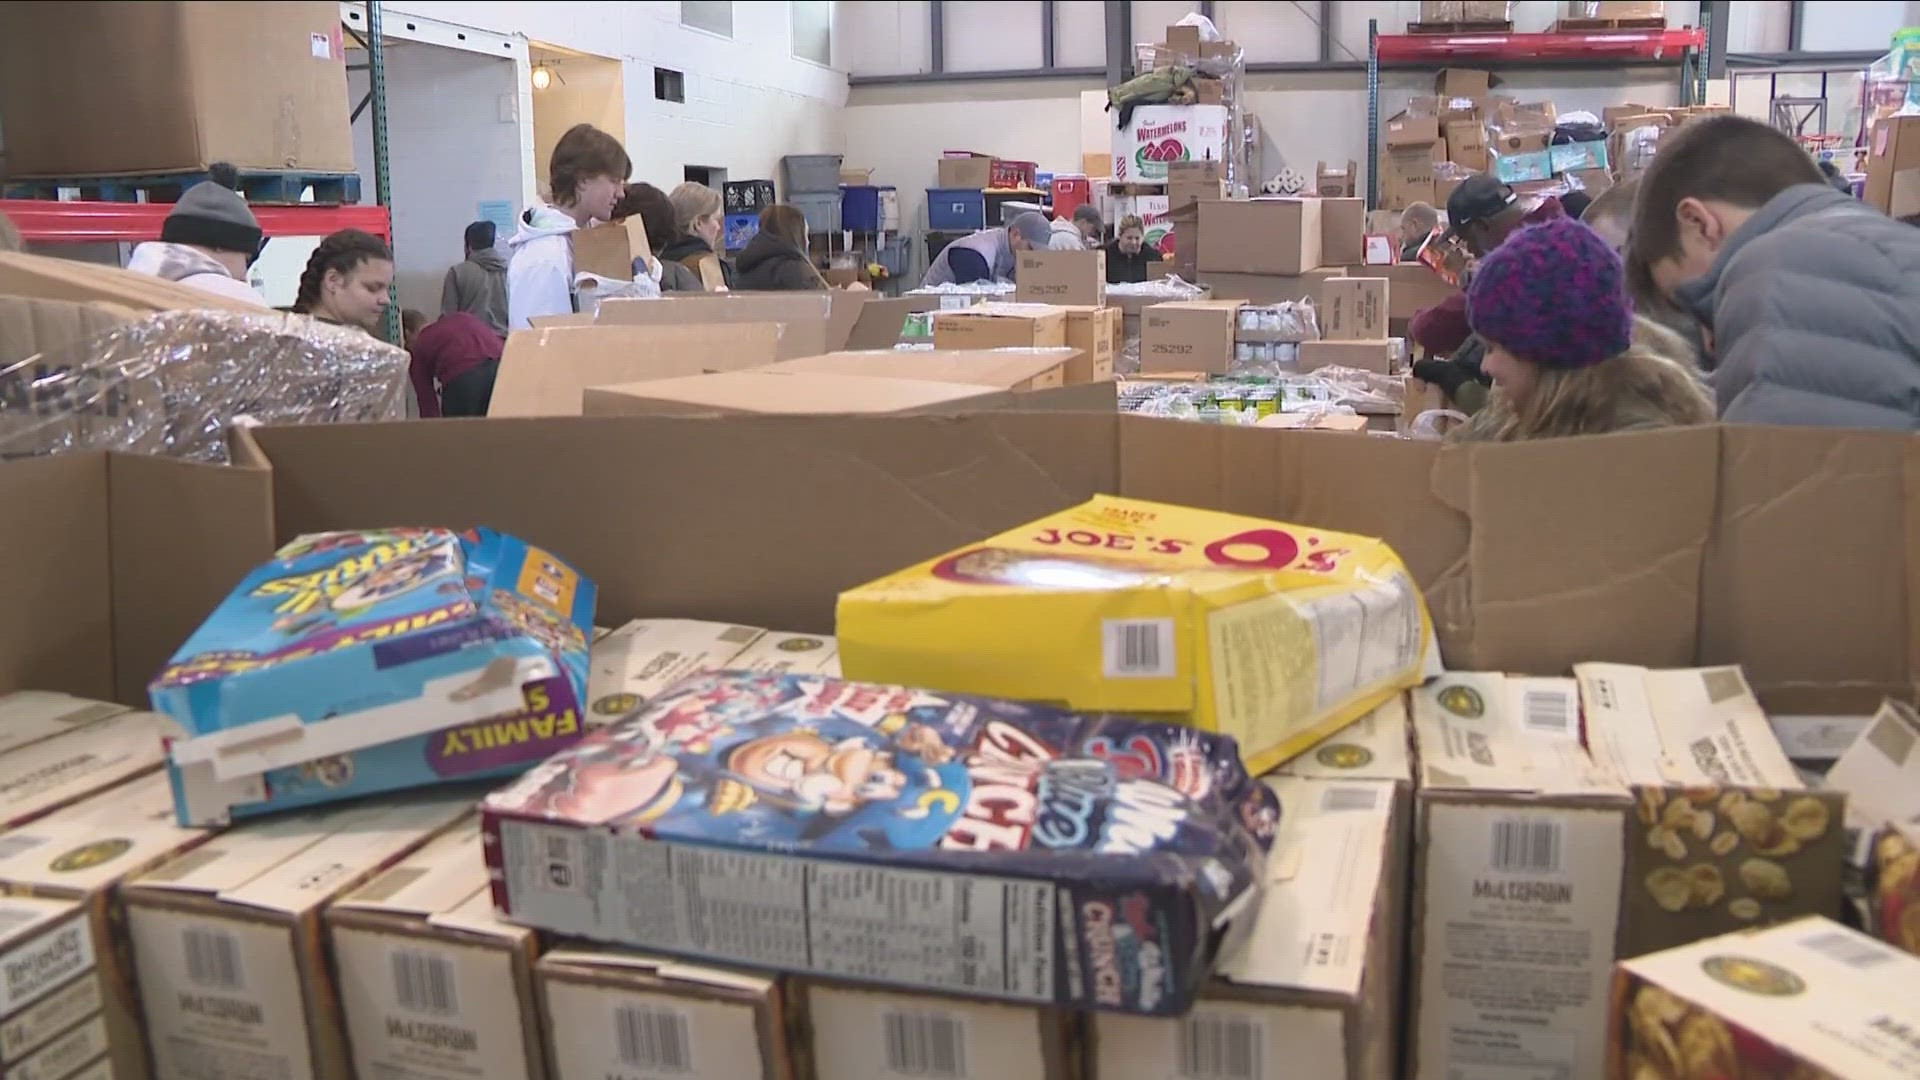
(1157, 134)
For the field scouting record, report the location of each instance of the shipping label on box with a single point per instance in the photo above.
(1061, 277)
(1156, 135)
(611, 1013)
(634, 663)
(1354, 309)
(882, 1034)
(1192, 335)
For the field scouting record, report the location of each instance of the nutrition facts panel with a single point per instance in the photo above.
(932, 929)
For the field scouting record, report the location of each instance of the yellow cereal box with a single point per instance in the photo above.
(1275, 634)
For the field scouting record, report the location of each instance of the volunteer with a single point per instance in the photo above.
(701, 222)
(347, 281)
(586, 171)
(1611, 215)
(207, 241)
(454, 362)
(1080, 232)
(988, 255)
(776, 258)
(1092, 227)
(1128, 256)
(655, 212)
(1566, 355)
(1417, 222)
(479, 284)
(1810, 299)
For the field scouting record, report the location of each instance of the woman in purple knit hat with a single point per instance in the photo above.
(1565, 351)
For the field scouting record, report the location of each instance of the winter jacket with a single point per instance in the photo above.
(1815, 309)
(1064, 235)
(540, 268)
(771, 263)
(449, 348)
(1122, 267)
(190, 266)
(988, 245)
(688, 250)
(479, 287)
(673, 276)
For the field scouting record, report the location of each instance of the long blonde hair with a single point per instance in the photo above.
(1595, 399)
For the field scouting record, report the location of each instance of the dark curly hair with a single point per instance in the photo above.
(341, 251)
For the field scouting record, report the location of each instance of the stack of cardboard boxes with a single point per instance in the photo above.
(1439, 140)
(1166, 156)
(1353, 327)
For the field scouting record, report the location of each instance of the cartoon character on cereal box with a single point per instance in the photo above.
(382, 583)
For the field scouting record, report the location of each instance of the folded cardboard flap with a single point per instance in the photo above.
(544, 371)
(780, 392)
(803, 317)
(48, 278)
(1007, 369)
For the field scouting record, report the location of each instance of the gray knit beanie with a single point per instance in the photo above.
(1031, 226)
(212, 215)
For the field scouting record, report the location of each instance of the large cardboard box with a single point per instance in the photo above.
(1376, 356)
(1061, 277)
(1343, 231)
(1808, 998)
(1194, 181)
(810, 323)
(1260, 236)
(1005, 369)
(50, 1022)
(868, 1032)
(1272, 288)
(1154, 136)
(1517, 871)
(227, 940)
(964, 172)
(1411, 130)
(1467, 144)
(1188, 335)
(544, 372)
(1893, 166)
(1411, 289)
(1094, 335)
(90, 89)
(81, 854)
(781, 392)
(1001, 326)
(610, 1012)
(433, 985)
(1354, 309)
(1406, 173)
(1316, 989)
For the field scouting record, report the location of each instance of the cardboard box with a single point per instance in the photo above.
(1189, 335)
(864, 1032)
(168, 87)
(1410, 130)
(1893, 166)
(1518, 870)
(779, 653)
(433, 985)
(1316, 990)
(1407, 174)
(1343, 231)
(1061, 277)
(1616, 9)
(1727, 836)
(611, 1013)
(1097, 165)
(1260, 236)
(1611, 115)
(41, 775)
(1411, 288)
(1094, 335)
(1154, 136)
(1375, 356)
(1350, 423)
(47, 278)
(49, 1015)
(544, 372)
(810, 323)
(1001, 326)
(1005, 369)
(1419, 397)
(1808, 998)
(779, 392)
(965, 172)
(1271, 288)
(1194, 181)
(28, 716)
(227, 940)
(80, 854)
(608, 249)
(1336, 181)
(1878, 772)
(1467, 144)
(1354, 309)
(645, 656)
(1470, 83)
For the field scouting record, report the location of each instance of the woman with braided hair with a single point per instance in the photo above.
(347, 280)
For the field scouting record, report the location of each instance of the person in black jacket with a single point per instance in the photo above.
(1128, 256)
(776, 257)
(697, 212)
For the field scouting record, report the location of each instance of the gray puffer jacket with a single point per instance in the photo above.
(1815, 309)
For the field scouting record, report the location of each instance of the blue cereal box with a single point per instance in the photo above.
(934, 842)
(363, 662)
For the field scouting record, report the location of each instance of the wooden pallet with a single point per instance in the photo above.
(260, 186)
(1591, 26)
(1471, 26)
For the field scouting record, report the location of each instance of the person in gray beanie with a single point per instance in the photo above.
(207, 241)
(988, 255)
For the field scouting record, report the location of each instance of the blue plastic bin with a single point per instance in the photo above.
(860, 207)
(740, 228)
(956, 209)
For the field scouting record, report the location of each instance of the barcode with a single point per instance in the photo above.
(1337, 799)
(423, 983)
(1547, 710)
(929, 1044)
(213, 959)
(1848, 948)
(1220, 1048)
(13, 918)
(1523, 846)
(1138, 648)
(653, 1038)
(18, 844)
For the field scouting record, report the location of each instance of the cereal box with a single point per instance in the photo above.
(893, 836)
(1277, 635)
(1880, 773)
(634, 663)
(363, 662)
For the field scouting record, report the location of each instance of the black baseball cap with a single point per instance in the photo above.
(1479, 197)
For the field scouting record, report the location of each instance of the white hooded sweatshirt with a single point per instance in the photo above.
(190, 266)
(540, 267)
(1064, 235)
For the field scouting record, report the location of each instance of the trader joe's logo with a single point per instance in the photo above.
(1753, 976)
(1343, 756)
(1463, 701)
(800, 644)
(91, 855)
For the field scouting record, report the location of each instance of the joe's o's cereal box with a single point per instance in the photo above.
(360, 662)
(1275, 634)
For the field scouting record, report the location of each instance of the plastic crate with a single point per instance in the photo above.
(822, 210)
(740, 228)
(1012, 174)
(954, 209)
(811, 174)
(892, 255)
(749, 196)
(862, 207)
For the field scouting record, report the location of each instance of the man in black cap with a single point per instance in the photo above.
(207, 241)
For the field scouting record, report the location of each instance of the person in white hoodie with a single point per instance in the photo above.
(207, 241)
(588, 173)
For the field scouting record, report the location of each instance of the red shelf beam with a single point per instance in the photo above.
(1588, 45)
(80, 222)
